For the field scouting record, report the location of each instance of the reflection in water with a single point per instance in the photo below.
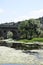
(30, 52)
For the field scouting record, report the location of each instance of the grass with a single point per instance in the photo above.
(38, 39)
(32, 40)
(23, 40)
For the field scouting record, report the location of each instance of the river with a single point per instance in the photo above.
(38, 57)
(27, 57)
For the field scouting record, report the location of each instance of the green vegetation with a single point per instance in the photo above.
(29, 29)
(10, 40)
(38, 39)
(9, 34)
(32, 40)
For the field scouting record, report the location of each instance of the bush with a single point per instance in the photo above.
(9, 34)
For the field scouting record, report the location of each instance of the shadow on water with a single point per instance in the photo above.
(30, 52)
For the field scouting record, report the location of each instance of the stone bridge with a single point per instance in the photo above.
(5, 28)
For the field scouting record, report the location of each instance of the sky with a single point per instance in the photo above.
(18, 10)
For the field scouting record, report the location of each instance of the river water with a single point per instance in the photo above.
(13, 64)
(38, 54)
(26, 57)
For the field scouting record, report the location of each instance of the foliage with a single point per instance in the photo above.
(22, 28)
(41, 35)
(29, 28)
(32, 40)
(26, 29)
(9, 34)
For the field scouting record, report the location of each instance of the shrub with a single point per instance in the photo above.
(9, 34)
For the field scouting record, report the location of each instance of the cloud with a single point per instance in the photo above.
(36, 13)
(31, 14)
(15, 17)
(1, 11)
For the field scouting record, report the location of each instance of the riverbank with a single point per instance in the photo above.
(10, 55)
(21, 45)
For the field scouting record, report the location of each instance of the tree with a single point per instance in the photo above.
(41, 35)
(22, 28)
(29, 28)
(34, 27)
(9, 34)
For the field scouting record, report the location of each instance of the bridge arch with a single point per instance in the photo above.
(4, 31)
